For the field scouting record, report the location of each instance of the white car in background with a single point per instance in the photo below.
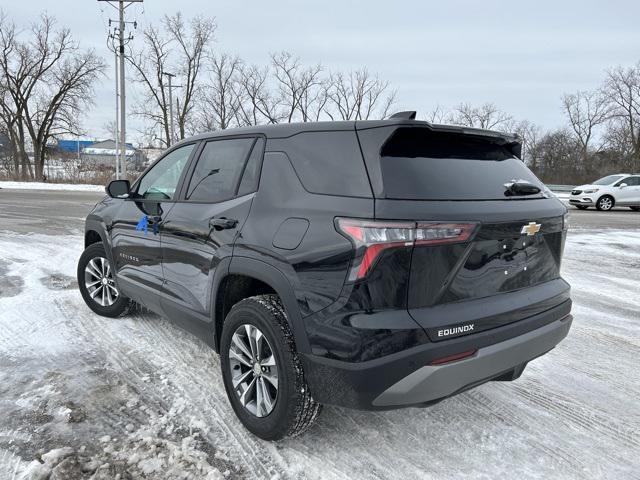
(622, 190)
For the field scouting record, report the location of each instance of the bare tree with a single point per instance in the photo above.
(585, 110)
(616, 151)
(221, 97)
(436, 115)
(556, 158)
(529, 134)
(487, 116)
(358, 96)
(193, 43)
(156, 58)
(258, 104)
(48, 81)
(622, 89)
(301, 91)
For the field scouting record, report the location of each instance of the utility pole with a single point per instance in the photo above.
(171, 130)
(121, 6)
(171, 126)
(115, 135)
(123, 112)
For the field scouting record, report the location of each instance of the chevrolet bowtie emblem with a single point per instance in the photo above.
(531, 229)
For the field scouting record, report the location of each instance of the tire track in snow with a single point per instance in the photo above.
(169, 354)
(210, 396)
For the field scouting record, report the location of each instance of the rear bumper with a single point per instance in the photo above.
(407, 379)
(430, 383)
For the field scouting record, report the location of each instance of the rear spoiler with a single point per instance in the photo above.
(509, 140)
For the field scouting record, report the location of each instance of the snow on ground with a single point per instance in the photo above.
(51, 186)
(88, 397)
(564, 196)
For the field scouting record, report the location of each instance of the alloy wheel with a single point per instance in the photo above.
(254, 372)
(606, 203)
(99, 282)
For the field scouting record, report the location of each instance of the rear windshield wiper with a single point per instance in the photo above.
(520, 187)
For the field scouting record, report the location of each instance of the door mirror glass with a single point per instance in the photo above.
(118, 188)
(152, 209)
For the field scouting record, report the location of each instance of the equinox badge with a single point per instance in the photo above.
(531, 229)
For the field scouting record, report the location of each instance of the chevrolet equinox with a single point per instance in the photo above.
(368, 264)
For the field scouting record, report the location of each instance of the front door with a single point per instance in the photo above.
(136, 250)
(201, 229)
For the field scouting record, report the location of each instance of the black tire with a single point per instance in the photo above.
(581, 207)
(121, 304)
(294, 410)
(605, 203)
(635, 209)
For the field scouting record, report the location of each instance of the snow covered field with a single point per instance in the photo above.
(90, 397)
(52, 186)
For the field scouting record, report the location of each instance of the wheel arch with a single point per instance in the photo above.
(254, 277)
(90, 237)
(95, 232)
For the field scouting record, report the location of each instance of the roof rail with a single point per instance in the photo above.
(409, 115)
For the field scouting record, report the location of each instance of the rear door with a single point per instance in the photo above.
(454, 177)
(199, 232)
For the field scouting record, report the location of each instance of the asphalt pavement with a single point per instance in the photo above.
(45, 211)
(55, 212)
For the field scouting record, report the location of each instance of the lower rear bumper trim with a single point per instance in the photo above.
(432, 382)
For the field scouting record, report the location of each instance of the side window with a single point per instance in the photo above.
(161, 181)
(632, 181)
(218, 170)
(251, 175)
(329, 163)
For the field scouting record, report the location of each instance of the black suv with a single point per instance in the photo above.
(367, 264)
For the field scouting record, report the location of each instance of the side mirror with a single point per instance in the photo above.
(118, 188)
(153, 209)
(622, 185)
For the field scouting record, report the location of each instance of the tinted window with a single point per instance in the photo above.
(161, 181)
(251, 175)
(418, 163)
(631, 181)
(218, 170)
(329, 163)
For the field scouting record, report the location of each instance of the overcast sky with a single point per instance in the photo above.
(522, 56)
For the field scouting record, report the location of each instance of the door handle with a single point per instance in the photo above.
(223, 223)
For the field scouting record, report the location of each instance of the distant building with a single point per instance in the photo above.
(73, 146)
(101, 153)
(104, 153)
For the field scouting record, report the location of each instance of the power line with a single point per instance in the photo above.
(119, 35)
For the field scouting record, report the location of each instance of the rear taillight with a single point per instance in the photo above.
(370, 238)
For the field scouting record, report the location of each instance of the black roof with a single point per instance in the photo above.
(284, 130)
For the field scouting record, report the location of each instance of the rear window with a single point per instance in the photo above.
(329, 163)
(420, 164)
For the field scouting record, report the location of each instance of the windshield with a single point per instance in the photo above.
(608, 180)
